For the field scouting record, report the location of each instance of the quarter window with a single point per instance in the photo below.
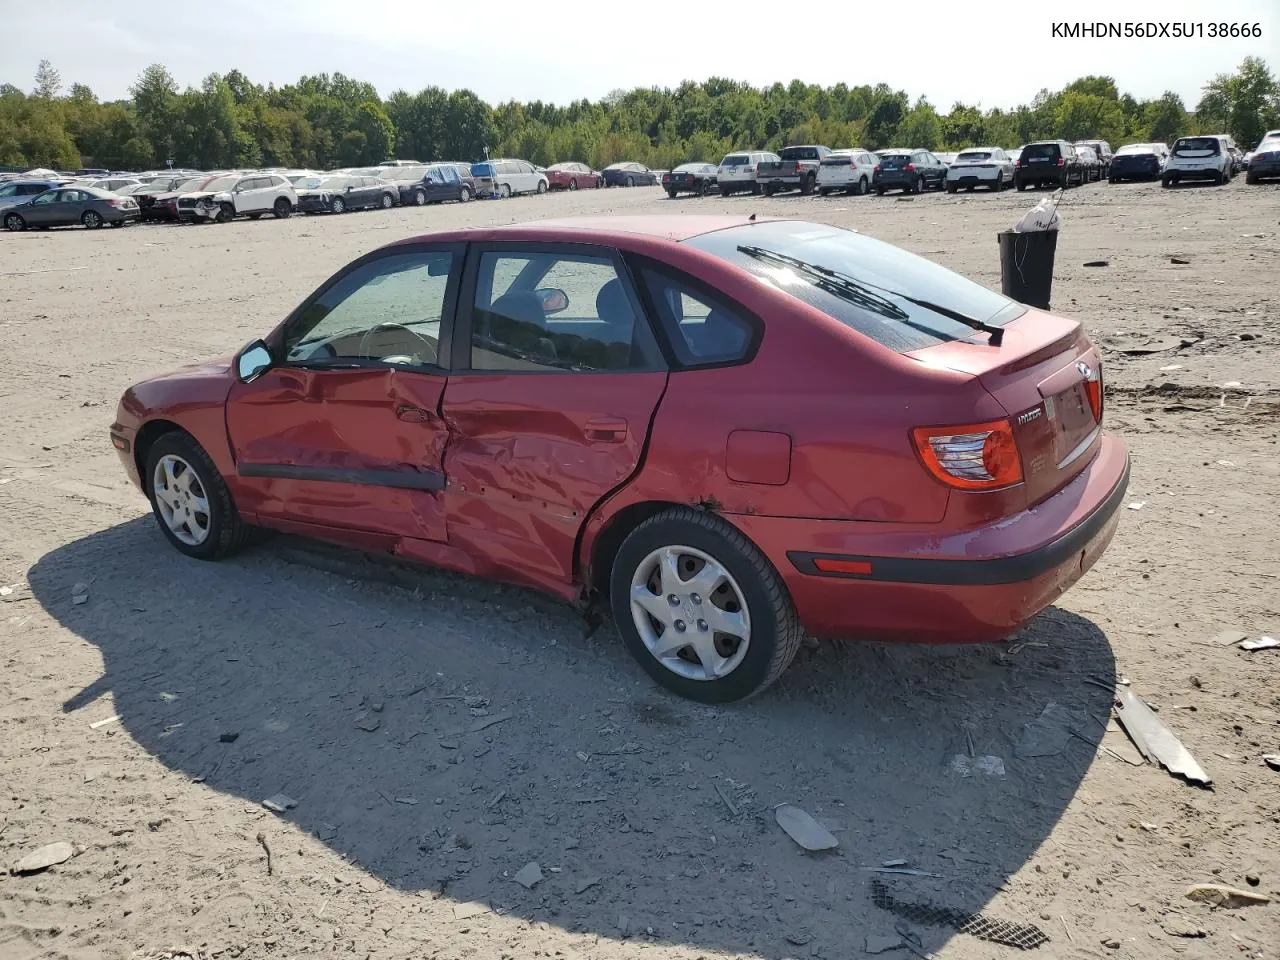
(702, 332)
(387, 311)
(557, 312)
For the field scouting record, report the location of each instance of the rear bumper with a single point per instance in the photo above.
(1041, 175)
(974, 176)
(1193, 173)
(974, 586)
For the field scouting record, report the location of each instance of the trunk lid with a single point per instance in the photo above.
(1041, 375)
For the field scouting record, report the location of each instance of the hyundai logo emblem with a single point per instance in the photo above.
(1086, 371)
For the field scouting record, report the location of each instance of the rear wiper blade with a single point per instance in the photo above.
(995, 335)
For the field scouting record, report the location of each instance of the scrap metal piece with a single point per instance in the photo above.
(1156, 741)
(803, 829)
(1024, 936)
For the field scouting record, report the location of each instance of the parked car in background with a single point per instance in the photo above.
(166, 206)
(91, 172)
(571, 175)
(1089, 164)
(628, 174)
(1264, 161)
(737, 171)
(1138, 161)
(402, 176)
(795, 169)
(249, 195)
(696, 178)
(947, 158)
(16, 192)
(1102, 150)
(1238, 161)
(988, 167)
(994, 490)
(111, 184)
(440, 182)
(851, 170)
(67, 206)
(1052, 162)
(513, 177)
(338, 193)
(911, 171)
(1197, 158)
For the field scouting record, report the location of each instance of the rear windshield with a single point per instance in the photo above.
(1135, 149)
(481, 170)
(1197, 147)
(1041, 150)
(974, 155)
(896, 157)
(798, 153)
(736, 160)
(873, 276)
(837, 160)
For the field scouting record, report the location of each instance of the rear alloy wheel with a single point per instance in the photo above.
(573, 184)
(282, 209)
(387, 201)
(14, 223)
(701, 609)
(91, 219)
(190, 500)
(863, 188)
(505, 191)
(920, 186)
(464, 194)
(420, 198)
(337, 205)
(631, 181)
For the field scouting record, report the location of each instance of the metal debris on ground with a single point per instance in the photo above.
(528, 876)
(1262, 643)
(262, 842)
(903, 871)
(489, 722)
(1024, 936)
(473, 908)
(104, 721)
(1272, 760)
(1156, 741)
(367, 723)
(1098, 263)
(44, 858)
(279, 803)
(803, 829)
(80, 593)
(874, 943)
(1222, 896)
(1229, 638)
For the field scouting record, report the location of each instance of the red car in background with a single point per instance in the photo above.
(732, 430)
(571, 175)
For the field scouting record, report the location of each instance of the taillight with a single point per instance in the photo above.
(877, 169)
(979, 456)
(910, 168)
(1062, 162)
(1093, 390)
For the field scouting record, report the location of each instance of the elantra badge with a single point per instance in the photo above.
(1086, 371)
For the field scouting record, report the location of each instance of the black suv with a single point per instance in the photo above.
(1053, 162)
(912, 171)
(1105, 155)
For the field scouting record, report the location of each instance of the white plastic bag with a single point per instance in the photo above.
(1043, 216)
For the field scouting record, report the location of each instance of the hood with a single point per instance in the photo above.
(194, 385)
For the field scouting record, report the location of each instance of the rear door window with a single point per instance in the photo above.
(1197, 147)
(703, 330)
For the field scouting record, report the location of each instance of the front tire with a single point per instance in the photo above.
(701, 608)
(387, 201)
(190, 500)
(862, 186)
(464, 194)
(14, 223)
(337, 205)
(226, 213)
(91, 219)
(671, 194)
(419, 198)
(505, 191)
(542, 186)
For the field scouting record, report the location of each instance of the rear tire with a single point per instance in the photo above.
(631, 181)
(504, 191)
(807, 185)
(862, 186)
(1251, 179)
(671, 194)
(282, 209)
(573, 184)
(223, 530)
(952, 188)
(1020, 185)
(419, 198)
(724, 191)
(824, 191)
(464, 195)
(337, 205)
(749, 585)
(91, 219)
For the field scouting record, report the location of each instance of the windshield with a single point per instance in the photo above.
(556, 167)
(481, 170)
(221, 183)
(1197, 147)
(871, 283)
(798, 153)
(974, 155)
(735, 160)
(688, 168)
(1135, 149)
(315, 183)
(1041, 150)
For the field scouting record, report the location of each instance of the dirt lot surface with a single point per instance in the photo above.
(361, 691)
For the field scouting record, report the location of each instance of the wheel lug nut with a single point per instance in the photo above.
(702, 625)
(680, 628)
(673, 600)
(695, 598)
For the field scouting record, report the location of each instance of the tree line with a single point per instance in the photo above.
(331, 120)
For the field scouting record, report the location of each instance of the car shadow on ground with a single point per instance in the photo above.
(441, 733)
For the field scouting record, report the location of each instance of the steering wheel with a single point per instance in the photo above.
(429, 355)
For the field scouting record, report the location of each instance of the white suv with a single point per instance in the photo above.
(1198, 158)
(517, 176)
(251, 195)
(738, 171)
(980, 167)
(850, 170)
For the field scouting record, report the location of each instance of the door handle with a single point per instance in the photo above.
(606, 430)
(411, 414)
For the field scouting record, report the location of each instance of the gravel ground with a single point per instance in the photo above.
(362, 690)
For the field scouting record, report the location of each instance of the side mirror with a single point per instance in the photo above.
(350, 186)
(253, 360)
(553, 300)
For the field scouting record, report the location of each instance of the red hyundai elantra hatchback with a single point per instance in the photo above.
(734, 430)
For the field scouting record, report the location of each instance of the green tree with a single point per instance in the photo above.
(1086, 116)
(921, 127)
(48, 81)
(1244, 104)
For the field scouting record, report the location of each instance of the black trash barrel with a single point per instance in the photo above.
(1026, 266)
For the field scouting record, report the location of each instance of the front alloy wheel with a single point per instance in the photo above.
(190, 500)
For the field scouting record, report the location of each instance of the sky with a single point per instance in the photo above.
(559, 50)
